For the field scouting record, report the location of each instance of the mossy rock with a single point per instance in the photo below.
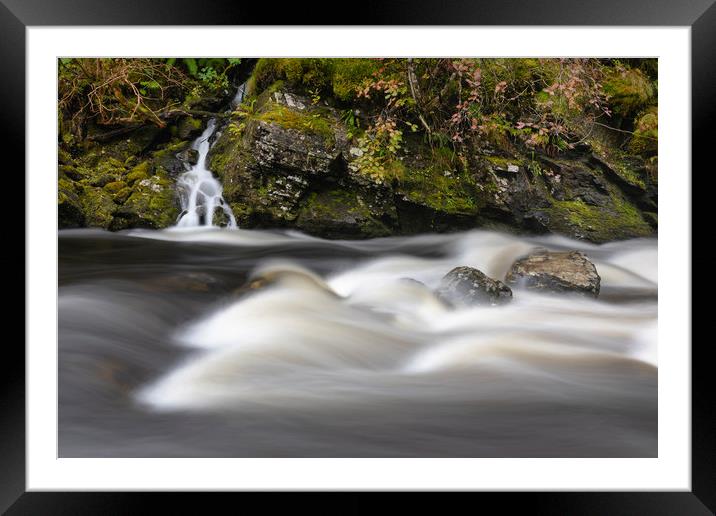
(337, 78)
(131, 144)
(188, 127)
(339, 213)
(300, 117)
(71, 172)
(645, 140)
(167, 159)
(98, 207)
(618, 221)
(115, 187)
(629, 90)
(122, 195)
(141, 171)
(102, 180)
(303, 73)
(436, 179)
(626, 168)
(652, 218)
(69, 208)
(63, 156)
(285, 134)
(152, 204)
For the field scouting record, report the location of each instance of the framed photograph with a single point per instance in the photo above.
(425, 252)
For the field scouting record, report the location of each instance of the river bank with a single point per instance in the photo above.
(303, 149)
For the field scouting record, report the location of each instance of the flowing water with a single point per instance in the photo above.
(200, 192)
(162, 353)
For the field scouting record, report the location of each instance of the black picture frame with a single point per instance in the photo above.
(700, 15)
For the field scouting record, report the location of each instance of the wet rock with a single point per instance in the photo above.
(169, 159)
(184, 282)
(138, 173)
(277, 146)
(339, 213)
(466, 286)
(414, 282)
(189, 127)
(103, 180)
(97, 206)
(290, 100)
(191, 156)
(152, 204)
(555, 272)
(69, 207)
(282, 274)
(253, 285)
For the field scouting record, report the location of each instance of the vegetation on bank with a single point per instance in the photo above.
(129, 92)
(469, 140)
(550, 105)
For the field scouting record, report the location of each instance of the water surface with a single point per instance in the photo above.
(162, 354)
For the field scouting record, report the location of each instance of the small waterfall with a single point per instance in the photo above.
(201, 193)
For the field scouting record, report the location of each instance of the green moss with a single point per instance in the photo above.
(335, 204)
(141, 171)
(502, 162)
(67, 190)
(646, 134)
(151, 204)
(63, 156)
(439, 182)
(113, 163)
(619, 162)
(339, 78)
(171, 149)
(306, 73)
(312, 121)
(601, 224)
(69, 207)
(629, 89)
(122, 195)
(454, 195)
(188, 126)
(115, 186)
(98, 207)
(350, 74)
(338, 213)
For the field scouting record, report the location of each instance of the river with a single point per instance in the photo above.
(163, 354)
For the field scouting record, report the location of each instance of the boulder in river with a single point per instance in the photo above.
(466, 286)
(556, 272)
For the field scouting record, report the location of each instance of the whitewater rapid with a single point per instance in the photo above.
(365, 333)
(346, 352)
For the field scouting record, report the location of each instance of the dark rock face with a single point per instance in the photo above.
(555, 272)
(293, 150)
(465, 286)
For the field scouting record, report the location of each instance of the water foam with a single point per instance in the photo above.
(366, 332)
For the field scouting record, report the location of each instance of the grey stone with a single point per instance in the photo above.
(555, 272)
(466, 286)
